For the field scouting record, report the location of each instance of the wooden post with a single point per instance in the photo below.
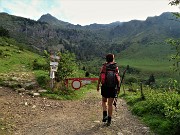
(66, 83)
(52, 83)
(124, 90)
(52, 76)
(142, 94)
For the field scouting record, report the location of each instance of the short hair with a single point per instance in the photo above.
(109, 57)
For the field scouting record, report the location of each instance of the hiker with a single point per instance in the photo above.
(109, 80)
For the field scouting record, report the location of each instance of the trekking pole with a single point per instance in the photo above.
(115, 100)
(127, 68)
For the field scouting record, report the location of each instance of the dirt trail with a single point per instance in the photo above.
(25, 115)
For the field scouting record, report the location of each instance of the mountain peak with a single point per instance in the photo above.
(48, 18)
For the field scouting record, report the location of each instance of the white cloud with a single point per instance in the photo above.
(107, 11)
(88, 11)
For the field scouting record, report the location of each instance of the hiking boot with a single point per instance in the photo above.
(105, 118)
(108, 121)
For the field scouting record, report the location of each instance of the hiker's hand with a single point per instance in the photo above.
(98, 89)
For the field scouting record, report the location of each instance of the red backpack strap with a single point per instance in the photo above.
(103, 68)
(102, 73)
(117, 70)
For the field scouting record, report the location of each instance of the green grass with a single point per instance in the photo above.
(68, 93)
(146, 67)
(159, 110)
(147, 64)
(152, 58)
(14, 58)
(159, 124)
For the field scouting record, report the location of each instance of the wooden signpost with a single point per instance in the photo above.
(53, 67)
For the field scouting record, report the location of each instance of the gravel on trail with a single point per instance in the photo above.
(27, 115)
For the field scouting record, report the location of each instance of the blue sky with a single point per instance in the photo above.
(85, 12)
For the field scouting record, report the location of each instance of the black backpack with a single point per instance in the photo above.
(110, 75)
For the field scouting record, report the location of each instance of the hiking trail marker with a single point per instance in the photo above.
(53, 67)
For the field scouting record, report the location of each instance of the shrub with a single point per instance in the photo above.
(163, 105)
(131, 80)
(38, 65)
(4, 32)
(67, 65)
(1, 52)
(43, 80)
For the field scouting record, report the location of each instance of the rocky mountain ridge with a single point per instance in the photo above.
(49, 33)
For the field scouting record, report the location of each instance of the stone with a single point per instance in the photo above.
(30, 85)
(119, 133)
(36, 94)
(42, 91)
(21, 90)
(34, 106)
(96, 121)
(26, 103)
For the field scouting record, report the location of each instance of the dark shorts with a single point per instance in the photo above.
(108, 92)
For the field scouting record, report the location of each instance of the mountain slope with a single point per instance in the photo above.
(53, 34)
(161, 27)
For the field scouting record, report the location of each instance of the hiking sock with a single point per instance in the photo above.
(104, 116)
(108, 121)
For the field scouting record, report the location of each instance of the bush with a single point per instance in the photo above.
(43, 80)
(131, 80)
(4, 32)
(164, 105)
(67, 65)
(1, 52)
(38, 65)
(42, 77)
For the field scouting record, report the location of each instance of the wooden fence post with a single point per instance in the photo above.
(142, 94)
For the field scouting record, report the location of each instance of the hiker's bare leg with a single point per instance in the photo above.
(110, 106)
(110, 109)
(104, 103)
(104, 106)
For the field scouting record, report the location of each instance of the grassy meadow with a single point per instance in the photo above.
(152, 58)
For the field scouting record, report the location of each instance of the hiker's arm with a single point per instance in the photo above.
(99, 80)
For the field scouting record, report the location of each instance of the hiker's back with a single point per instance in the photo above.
(110, 79)
(109, 75)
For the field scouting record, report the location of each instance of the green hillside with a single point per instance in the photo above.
(14, 58)
(152, 58)
(17, 66)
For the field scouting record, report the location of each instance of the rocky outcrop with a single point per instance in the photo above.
(15, 80)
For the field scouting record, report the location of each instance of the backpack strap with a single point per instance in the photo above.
(103, 68)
